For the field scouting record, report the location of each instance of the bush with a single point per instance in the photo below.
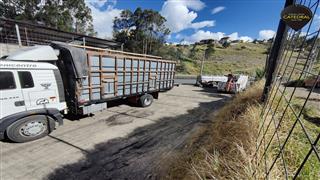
(226, 44)
(260, 73)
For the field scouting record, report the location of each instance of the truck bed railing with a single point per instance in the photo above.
(112, 52)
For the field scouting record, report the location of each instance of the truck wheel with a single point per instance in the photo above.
(30, 128)
(146, 100)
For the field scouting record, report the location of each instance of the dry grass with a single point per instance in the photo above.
(223, 149)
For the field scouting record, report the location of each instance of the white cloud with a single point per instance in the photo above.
(179, 15)
(246, 39)
(199, 25)
(200, 35)
(266, 34)
(233, 36)
(101, 3)
(217, 9)
(103, 19)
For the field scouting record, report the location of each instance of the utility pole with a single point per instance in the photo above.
(202, 62)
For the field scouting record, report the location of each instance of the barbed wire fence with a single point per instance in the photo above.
(288, 138)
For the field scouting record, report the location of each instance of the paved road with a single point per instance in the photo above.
(121, 142)
(188, 81)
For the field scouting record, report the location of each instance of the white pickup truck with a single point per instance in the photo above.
(237, 84)
(39, 84)
(230, 83)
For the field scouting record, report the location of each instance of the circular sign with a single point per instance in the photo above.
(296, 16)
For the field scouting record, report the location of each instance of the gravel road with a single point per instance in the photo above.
(123, 142)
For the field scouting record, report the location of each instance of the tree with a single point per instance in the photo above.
(141, 31)
(70, 15)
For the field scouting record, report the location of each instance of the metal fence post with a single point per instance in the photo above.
(18, 35)
(275, 52)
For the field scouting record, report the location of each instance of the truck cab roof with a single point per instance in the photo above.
(29, 65)
(34, 53)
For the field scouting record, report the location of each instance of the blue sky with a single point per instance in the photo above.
(193, 20)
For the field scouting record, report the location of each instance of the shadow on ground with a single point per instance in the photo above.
(313, 119)
(213, 92)
(141, 154)
(110, 104)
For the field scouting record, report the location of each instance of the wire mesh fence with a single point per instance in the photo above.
(288, 140)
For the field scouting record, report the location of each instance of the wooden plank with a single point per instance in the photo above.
(89, 77)
(96, 87)
(174, 72)
(166, 74)
(157, 69)
(101, 76)
(171, 76)
(131, 78)
(108, 76)
(127, 71)
(116, 77)
(149, 77)
(127, 56)
(144, 74)
(117, 52)
(124, 76)
(138, 76)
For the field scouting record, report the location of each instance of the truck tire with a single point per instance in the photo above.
(145, 100)
(30, 128)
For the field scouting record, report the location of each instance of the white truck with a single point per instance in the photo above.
(39, 84)
(234, 84)
(210, 80)
(230, 83)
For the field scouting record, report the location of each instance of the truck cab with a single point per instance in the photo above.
(31, 96)
(40, 83)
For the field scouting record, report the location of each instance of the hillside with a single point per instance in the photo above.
(237, 58)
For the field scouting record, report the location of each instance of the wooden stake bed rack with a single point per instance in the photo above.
(115, 74)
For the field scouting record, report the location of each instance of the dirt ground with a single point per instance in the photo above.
(123, 142)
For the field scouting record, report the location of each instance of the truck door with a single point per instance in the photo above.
(39, 89)
(11, 98)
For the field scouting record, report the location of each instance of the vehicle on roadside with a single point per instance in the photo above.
(207, 80)
(234, 84)
(40, 84)
(229, 83)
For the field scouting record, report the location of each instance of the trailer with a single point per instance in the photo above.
(40, 84)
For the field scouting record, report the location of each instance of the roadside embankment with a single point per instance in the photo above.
(224, 147)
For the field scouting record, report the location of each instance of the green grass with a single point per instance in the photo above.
(238, 58)
(298, 145)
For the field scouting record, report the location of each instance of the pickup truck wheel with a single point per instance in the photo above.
(30, 128)
(146, 100)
